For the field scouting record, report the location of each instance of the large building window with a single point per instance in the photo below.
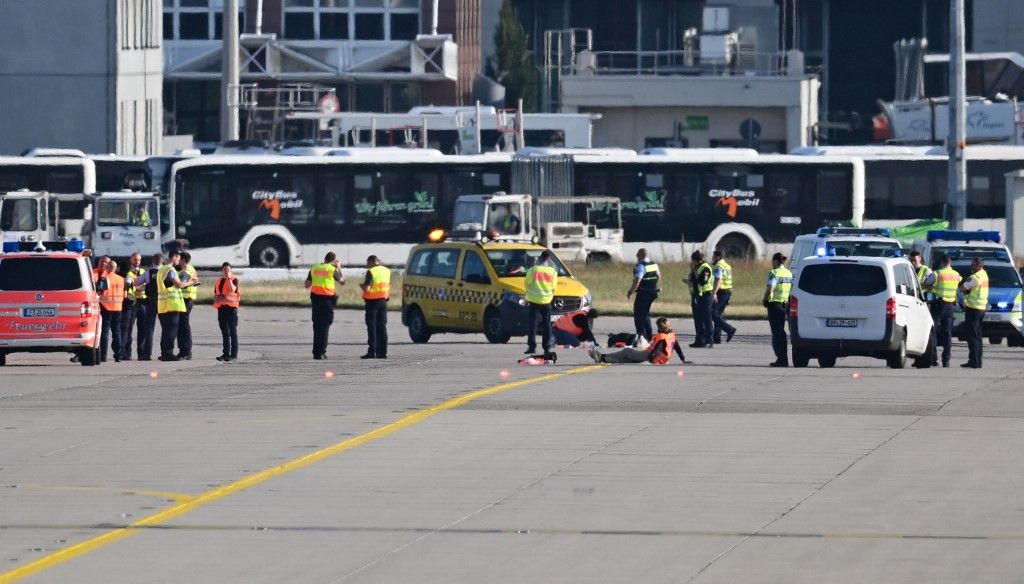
(376, 20)
(197, 19)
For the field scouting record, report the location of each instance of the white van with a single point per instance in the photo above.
(962, 245)
(843, 242)
(873, 307)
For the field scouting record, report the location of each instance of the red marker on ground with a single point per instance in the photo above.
(154, 374)
(328, 374)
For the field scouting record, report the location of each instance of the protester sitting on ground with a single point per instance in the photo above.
(659, 352)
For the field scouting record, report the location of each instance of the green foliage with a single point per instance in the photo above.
(512, 64)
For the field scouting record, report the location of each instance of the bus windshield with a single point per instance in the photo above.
(514, 262)
(127, 212)
(19, 215)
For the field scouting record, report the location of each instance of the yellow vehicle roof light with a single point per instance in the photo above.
(437, 236)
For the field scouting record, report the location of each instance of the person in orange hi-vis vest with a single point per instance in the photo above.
(659, 352)
(111, 305)
(226, 297)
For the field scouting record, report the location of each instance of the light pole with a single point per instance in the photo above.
(956, 142)
(229, 73)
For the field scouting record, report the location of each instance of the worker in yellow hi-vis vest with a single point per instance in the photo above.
(541, 282)
(376, 291)
(321, 283)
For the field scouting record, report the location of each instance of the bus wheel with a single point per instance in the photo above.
(268, 252)
(736, 246)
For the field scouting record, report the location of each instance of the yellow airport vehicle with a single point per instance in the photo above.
(476, 285)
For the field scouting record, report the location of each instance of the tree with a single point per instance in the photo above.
(512, 64)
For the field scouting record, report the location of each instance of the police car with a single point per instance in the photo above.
(1003, 318)
(476, 285)
(843, 242)
(48, 302)
(962, 245)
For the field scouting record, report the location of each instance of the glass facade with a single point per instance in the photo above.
(376, 20)
(187, 20)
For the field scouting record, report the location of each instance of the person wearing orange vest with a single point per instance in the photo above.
(111, 305)
(321, 283)
(226, 297)
(376, 291)
(659, 352)
(576, 327)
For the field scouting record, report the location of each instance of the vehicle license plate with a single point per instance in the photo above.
(39, 311)
(989, 316)
(841, 322)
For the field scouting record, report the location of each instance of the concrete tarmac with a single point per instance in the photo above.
(436, 467)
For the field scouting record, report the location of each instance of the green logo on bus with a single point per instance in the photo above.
(422, 203)
(651, 202)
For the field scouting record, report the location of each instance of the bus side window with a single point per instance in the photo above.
(833, 194)
(332, 207)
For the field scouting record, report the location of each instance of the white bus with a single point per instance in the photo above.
(906, 183)
(275, 211)
(289, 210)
(744, 203)
(54, 174)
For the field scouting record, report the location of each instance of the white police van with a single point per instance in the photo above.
(843, 242)
(866, 306)
(962, 245)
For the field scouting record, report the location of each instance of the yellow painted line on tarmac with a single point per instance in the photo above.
(184, 507)
(174, 496)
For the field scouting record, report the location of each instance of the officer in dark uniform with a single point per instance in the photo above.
(646, 286)
(147, 309)
(702, 300)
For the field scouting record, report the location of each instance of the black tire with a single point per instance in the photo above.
(736, 246)
(898, 358)
(419, 332)
(925, 360)
(268, 252)
(995, 340)
(827, 361)
(3, 359)
(1014, 342)
(494, 328)
(89, 357)
(801, 358)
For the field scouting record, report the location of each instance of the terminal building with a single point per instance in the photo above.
(84, 75)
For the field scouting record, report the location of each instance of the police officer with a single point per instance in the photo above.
(975, 289)
(646, 285)
(111, 305)
(701, 301)
(187, 274)
(170, 306)
(227, 295)
(376, 292)
(947, 280)
(776, 300)
(321, 282)
(133, 297)
(148, 308)
(721, 293)
(541, 282)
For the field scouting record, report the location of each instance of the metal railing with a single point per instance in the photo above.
(685, 62)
